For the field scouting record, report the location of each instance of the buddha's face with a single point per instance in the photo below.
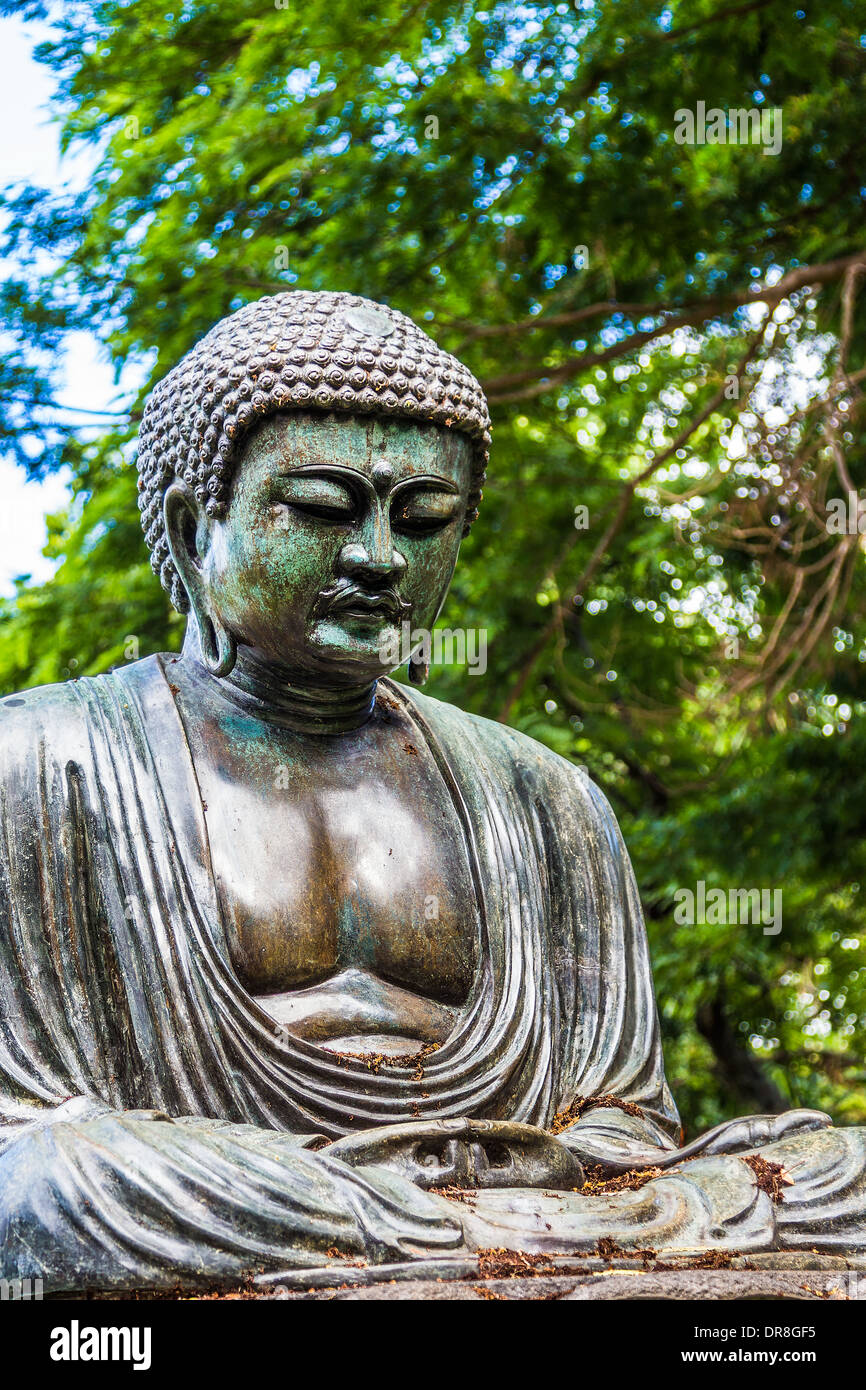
(339, 529)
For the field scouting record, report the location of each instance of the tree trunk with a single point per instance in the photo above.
(740, 1072)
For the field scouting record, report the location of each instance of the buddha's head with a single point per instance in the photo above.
(306, 475)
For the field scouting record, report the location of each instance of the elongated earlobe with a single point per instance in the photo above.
(218, 646)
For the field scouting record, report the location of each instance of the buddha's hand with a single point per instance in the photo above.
(754, 1131)
(464, 1153)
(622, 1152)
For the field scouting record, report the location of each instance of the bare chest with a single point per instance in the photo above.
(331, 859)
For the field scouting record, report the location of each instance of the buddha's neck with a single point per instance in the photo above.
(281, 697)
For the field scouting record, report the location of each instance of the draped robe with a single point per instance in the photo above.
(155, 1125)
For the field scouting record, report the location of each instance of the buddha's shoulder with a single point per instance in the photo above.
(38, 704)
(39, 727)
(59, 717)
(517, 757)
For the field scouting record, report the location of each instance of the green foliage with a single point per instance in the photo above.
(699, 643)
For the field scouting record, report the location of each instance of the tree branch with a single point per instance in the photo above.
(615, 525)
(513, 386)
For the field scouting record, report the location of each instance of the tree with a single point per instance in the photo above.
(671, 339)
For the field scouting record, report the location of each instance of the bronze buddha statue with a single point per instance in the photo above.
(285, 946)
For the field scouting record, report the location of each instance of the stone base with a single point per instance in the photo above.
(781, 1277)
(614, 1285)
(790, 1276)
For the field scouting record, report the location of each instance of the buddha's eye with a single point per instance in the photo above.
(319, 497)
(423, 512)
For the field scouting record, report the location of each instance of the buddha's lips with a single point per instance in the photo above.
(363, 601)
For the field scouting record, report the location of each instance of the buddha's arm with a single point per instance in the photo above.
(614, 1053)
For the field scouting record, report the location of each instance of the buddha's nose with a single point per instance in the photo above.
(367, 563)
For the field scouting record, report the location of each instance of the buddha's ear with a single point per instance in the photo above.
(187, 533)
